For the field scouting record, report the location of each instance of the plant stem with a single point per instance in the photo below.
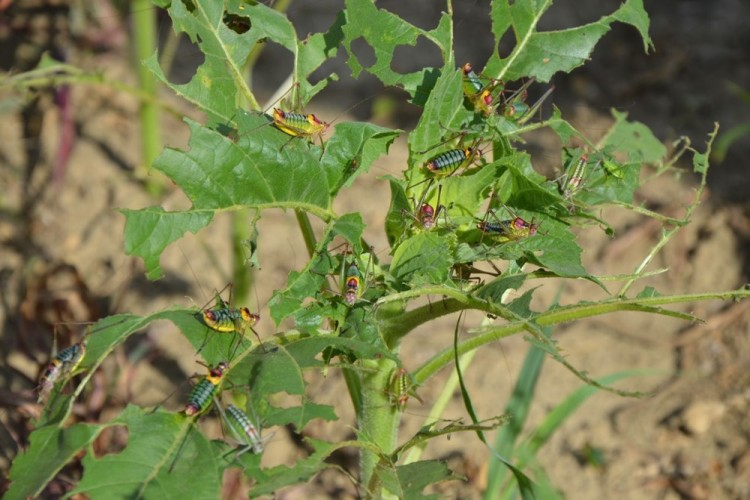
(378, 422)
(668, 235)
(307, 231)
(144, 32)
(439, 406)
(240, 273)
(563, 315)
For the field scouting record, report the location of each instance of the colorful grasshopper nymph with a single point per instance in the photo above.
(401, 388)
(508, 230)
(225, 319)
(205, 390)
(353, 285)
(229, 319)
(244, 430)
(450, 161)
(571, 181)
(63, 364)
(299, 125)
(426, 216)
(480, 95)
(515, 107)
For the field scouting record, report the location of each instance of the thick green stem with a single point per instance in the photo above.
(378, 421)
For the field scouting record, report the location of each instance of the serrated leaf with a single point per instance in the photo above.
(700, 163)
(542, 54)
(398, 219)
(409, 481)
(443, 112)
(634, 139)
(102, 338)
(556, 250)
(385, 32)
(211, 345)
(150, 230)
(521, 306)
(309, 282)
(270, 480)
(260, 170)
(268, 373)
(561, 127)
(460, 196)
(148, 466)
(301, 415)
(305, 350)
(219, 85)
(467, 192)
(255, 172)
(423, 258)
(50, 448)
(633, 13)
(356, 145)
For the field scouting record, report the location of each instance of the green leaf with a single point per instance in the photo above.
(356, 145)
(150, 230)
(281, 371)
(648, 292)
(633, 139)
(521, 306)
(149, 466)
(443, 112)
(542, 54)
(300, 415)
(253, 172)
(211, 345)
(50, 448)
(700, 163)
(460, 197)
(102, 338)
(423, 258)
(495, 289)
(384, 32)
(562, 128)
(260, 170)
(305, 351)
(398, 219)
(219, 85)
(310, 281)
(410, 480)
(556, 250)
(268, 481)
(268, 373)
(633, 13)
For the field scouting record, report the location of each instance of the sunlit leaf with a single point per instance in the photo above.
(50, 448)
(385, 32)
(541, 54)
(155, 462)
